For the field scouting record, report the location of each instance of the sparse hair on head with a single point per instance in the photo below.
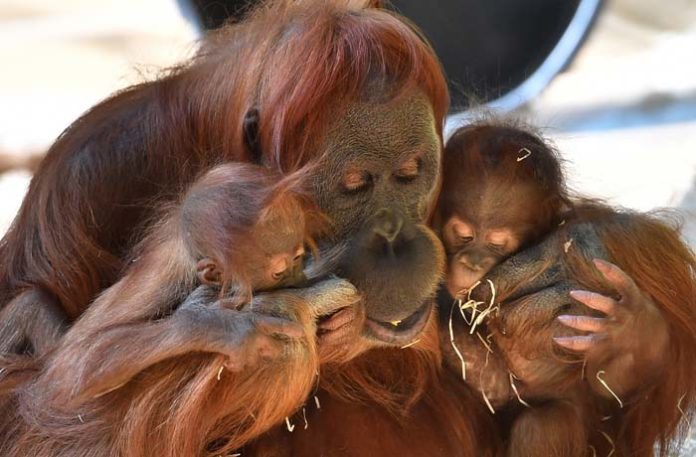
(509, 153)
(221, 210)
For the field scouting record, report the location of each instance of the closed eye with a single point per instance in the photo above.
(501, 240)
(299, 255)
(409, 170)
(356, 181)
(497, 248)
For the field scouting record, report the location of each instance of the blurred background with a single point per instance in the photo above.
(612, 82)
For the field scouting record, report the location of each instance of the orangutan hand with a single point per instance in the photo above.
(243, 336)
(624, 347)
(329, 307)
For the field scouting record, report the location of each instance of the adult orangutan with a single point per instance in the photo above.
(355, 99)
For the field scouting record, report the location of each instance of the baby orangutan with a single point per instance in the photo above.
(497, 197)
(180, 338)
(503, 191)
(245, 234)
(238, 229)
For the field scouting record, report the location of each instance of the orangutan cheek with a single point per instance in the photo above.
(460, 278)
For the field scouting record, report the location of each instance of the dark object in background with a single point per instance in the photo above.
(501, 52)
(211, 14)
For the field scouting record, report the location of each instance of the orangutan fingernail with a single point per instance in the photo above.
(601, 264)
(579, 294)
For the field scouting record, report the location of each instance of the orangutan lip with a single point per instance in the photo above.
(334, 320)
(402, 333)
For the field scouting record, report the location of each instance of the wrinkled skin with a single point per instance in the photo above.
(493, 225)
(375, 182)
(376, 140)
(395, 146)
(374, 195)
(201, 323)
(473, 249)
(259, 333)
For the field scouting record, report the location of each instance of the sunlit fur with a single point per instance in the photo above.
(659, 396)
(230, 203)
(191, 118)
(300, 63)
(664, 267)
(480, 160)
(658, 399)
(571, 406)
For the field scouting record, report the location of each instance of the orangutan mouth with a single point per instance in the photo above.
(400, 332)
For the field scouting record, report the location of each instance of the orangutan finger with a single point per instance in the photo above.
(583, 323)
(602, 303)
(249, 354)
(578, 343)
(270, 325)
(265, 347)
(337, 320)
(623, 283)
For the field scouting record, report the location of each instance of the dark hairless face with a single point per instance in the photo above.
(378, 156)
(379, 171)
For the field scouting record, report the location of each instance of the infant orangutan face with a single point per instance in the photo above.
(491, 221)
(277, 249)
(272, 257)
(279, 268)
(276, 254)
(473, 249)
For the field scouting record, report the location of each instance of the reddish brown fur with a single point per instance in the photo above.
(481, 174)
(218, 214)
(231, 213)
(192, 118)
(170, 130)
(177, 126)
(425, 410)
(570, 404)
(664, 267)
(658, 395)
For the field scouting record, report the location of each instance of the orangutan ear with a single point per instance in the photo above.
(208, 272)
(251, 134)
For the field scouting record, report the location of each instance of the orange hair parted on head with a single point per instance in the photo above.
(298, 64)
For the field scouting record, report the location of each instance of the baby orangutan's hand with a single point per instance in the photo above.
(245, 336)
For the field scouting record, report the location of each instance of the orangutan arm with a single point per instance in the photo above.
(202, 323)
(32, 323)
(543, 276)
(638, 345)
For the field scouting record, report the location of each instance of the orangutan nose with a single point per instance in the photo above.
(471, 265)
(476, 260)
(388, 224)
